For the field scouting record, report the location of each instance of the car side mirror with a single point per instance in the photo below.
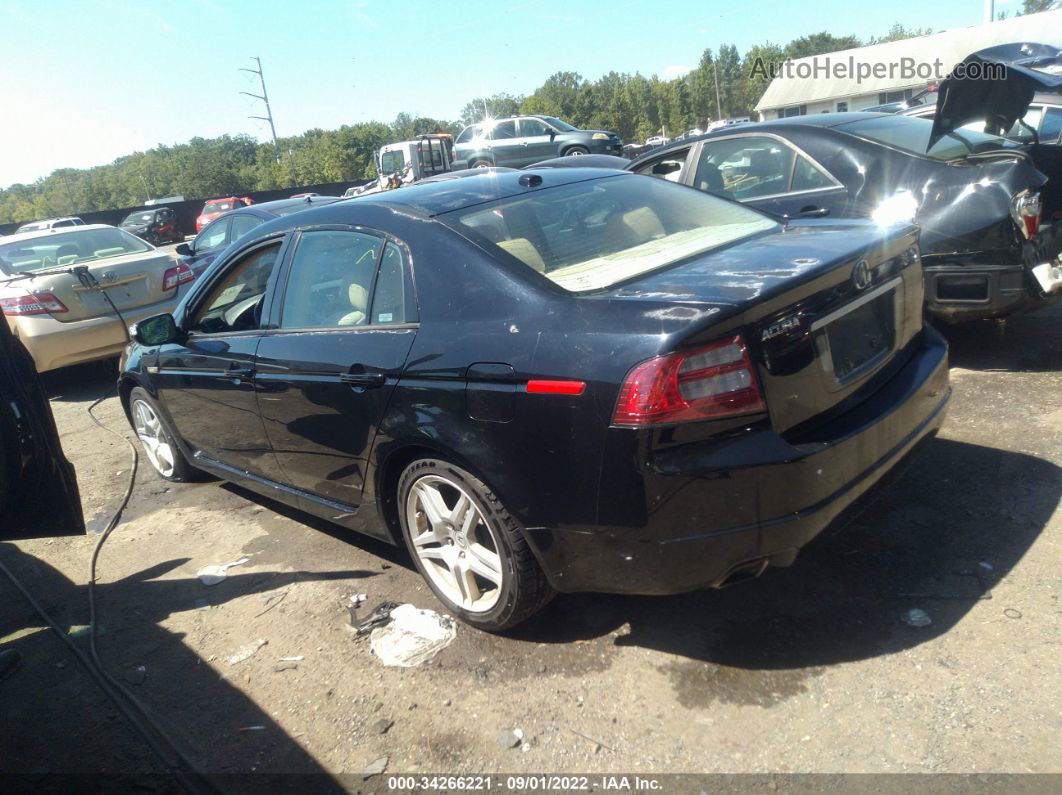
(552, 134)
(184, 250)
(155, 330)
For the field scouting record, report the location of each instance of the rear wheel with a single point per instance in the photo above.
(468, 547)
(577, 150)
(482, 164)
(157, 440)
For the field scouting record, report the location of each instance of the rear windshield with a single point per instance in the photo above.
(217, 207)
(69, 248)
(593, 234)
(136, 219)
(911, 134)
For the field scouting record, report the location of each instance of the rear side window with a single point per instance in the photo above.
(1051, 128)
(808, 176)
(213, 237)
(744, 168)
(392, 300)
(503, 130)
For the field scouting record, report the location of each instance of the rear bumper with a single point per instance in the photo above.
(53, 344)
(792, 491)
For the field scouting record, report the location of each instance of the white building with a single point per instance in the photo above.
(866, 76)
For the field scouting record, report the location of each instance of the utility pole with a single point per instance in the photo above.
(718, 104)
(264, 96)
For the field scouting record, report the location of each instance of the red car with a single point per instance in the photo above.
(215, 207)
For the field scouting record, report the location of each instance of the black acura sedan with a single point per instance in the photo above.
(574, 380)
(975, 196)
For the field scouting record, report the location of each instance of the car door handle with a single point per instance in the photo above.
(239, 373)
(811, 211)
(366, 380)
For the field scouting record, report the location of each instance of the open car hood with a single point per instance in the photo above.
(38, 489)
(1030, 68)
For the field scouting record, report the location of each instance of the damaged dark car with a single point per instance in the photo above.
(574, 380)
(38, 489)
(988, 251)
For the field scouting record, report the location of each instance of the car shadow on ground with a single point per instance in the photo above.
(55, 719)
(938, 538)
(81, 383)
(1029, 343)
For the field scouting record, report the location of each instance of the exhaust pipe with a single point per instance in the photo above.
(748, 570)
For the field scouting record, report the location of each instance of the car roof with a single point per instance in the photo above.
(63, 230)
(280, 207)
(436, 198)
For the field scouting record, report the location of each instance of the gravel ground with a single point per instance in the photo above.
(809, 669)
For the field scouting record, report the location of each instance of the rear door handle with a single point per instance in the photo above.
(811, 211)
(366, 380)
(239, 373)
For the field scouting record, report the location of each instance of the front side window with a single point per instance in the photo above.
(596, 233)
(668, 167)
(330, 281)
(235, 304)
(532, 127)
(69, 248)
(392, 162)
(563, 126)
(744, 168)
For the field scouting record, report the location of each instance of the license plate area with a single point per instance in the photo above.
(859, 337)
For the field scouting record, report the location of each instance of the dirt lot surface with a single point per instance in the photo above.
(809, 669)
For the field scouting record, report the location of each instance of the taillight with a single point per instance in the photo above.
(177, 275)
(1025, 210)
(715, 381)
(32, 304)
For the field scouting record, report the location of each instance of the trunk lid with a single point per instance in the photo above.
(823, 307)
(131, 281)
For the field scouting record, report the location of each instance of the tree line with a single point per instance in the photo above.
(722, 85)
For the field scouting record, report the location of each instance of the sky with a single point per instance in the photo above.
(83, 83)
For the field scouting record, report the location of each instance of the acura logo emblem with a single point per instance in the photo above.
(861, 275)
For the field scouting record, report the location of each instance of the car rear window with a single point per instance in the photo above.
(69, 248)
(217, 207)
(594, 234)
(911, 134)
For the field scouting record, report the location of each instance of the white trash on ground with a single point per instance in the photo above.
(213, 574)
(413, 636)
(246, 652)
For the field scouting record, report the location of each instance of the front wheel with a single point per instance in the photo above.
(482, 164)
(157, 440)
(577, 150)
(468, 547)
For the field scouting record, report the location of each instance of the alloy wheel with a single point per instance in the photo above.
(454, 543)
(153, 436)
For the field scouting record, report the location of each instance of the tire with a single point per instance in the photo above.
(472, 530)
(157, 440)
(577, 150)
(481, 163)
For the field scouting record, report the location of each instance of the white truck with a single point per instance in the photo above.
(406, 162)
